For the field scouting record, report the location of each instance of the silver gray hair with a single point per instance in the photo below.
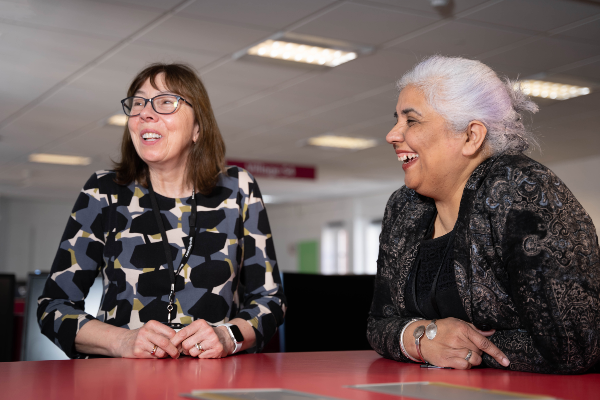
(463, 90)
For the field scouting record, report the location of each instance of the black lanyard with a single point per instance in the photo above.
(433, 289)
(188, 251)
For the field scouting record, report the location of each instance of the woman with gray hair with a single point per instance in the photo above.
(486, 257)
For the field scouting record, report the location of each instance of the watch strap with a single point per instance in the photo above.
(237, 344)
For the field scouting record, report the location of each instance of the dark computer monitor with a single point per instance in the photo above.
(326, 312)
(7, 315)
(35, 345)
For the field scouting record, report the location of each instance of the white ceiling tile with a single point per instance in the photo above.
(559, 141)
(336, 120)
(272, 14)
(588, 32)
(265, 109)
(216, 38)
(33, 61)
(544, 54)
(105, 87)
(363, 24)
(389, 64)
(259, 76)
(422, 5)
(273, 106)
(133, 58)
(336, 85)
(539, 15)
(157, 4)
(101, 144)
(105, 19)
(459, 39)
(222, 93)
(589, 72)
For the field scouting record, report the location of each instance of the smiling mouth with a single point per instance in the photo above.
(151, 137)
(407, 158)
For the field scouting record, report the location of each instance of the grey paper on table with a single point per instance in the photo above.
(445, 391)
(254, 394)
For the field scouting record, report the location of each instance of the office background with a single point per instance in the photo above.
(65, 64)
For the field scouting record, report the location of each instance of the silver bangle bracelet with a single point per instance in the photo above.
(402, 348)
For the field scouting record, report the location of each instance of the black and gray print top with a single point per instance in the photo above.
(231, 273)
(526, 263)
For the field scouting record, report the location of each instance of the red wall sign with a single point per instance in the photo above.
(271, 170)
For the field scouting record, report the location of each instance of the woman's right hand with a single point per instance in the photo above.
(452, 343)
(139, 343)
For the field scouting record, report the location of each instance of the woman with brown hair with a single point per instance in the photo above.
(183, 243)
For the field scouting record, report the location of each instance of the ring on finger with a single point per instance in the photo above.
(199, 347)
(154, 350)
(468, 357)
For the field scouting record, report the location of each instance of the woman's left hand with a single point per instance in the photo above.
(213, 342)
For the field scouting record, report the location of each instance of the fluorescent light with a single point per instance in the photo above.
(551, 90)
(301, 53)
(117, 120)
(342, 142)
(59, 159)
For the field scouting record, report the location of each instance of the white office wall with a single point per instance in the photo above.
(582, 177)
(30, 230)
(292, 223)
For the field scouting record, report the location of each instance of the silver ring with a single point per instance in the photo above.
(199, 347)
(468, 357)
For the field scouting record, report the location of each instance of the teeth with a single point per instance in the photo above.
(408, 157)
(151, 136)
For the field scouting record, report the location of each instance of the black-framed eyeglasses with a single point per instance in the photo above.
(162, 104)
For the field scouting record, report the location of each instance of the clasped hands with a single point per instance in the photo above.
(450, 347)
(156, 340)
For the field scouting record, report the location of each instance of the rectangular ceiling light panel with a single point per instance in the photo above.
(342, 142)
(302, 53)
(118, 120)
(59, 159)
(551, 90)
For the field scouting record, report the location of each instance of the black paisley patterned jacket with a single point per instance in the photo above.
(526, 261)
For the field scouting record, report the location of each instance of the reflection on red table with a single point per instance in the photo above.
(324, 373)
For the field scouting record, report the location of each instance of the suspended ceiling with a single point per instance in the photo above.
(66, 64)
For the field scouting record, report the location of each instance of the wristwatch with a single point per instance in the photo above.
(418, 334)
(236, 336)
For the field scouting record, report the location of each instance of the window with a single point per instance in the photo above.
(372, 246)
(334, 249)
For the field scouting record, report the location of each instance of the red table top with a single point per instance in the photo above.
(323, 373)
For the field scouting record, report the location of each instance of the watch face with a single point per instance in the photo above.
(419, 332)
(237, 333)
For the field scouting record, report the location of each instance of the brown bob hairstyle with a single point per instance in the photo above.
(207, 155)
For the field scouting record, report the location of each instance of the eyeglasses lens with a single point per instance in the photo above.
(163, 104)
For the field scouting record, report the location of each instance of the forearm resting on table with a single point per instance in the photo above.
(247, 331)
(96, 337)
(409, 340)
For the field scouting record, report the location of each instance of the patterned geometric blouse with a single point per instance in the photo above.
(232, 271)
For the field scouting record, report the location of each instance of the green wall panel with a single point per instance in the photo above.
(308, 256)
